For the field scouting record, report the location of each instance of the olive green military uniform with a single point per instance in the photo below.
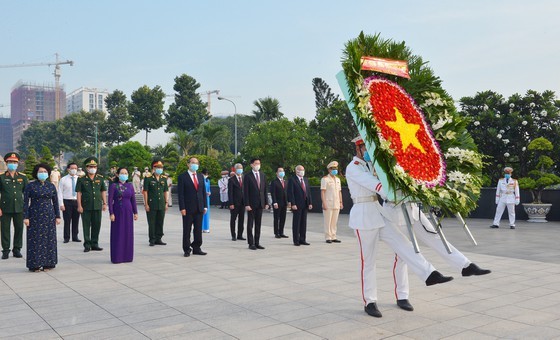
(92, 203)
(11, 203)
(157, 193)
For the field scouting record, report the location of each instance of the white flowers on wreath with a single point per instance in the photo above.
(459, 177)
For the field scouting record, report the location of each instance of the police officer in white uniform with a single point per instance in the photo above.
(426, 233)
(507, 195)
(371, 224)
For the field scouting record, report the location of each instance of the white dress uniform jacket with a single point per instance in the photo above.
(507, 191)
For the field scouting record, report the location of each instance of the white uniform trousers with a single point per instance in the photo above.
(368, 242)
(330, 217)
(500, 210)
(400, 271)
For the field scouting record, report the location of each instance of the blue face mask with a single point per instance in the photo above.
(159, 171)
(366, 157)
(239, 171)
(42, 176)
(12, 167)
(123, 178)
(334, 172)
(193, 167)
(507, 176)
(281, 174)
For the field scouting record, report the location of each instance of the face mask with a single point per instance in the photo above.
(257, 167)
(301, 173)
(12, 167)
(159, 171)
(73, 172)
(239, 171)
(334, 172)
(281, 174)
(92, 171)
(193, 167)
(366, 157)
(123, 178)
(508, 176)
(42, 176)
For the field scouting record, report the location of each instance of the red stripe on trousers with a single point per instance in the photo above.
(394, 276)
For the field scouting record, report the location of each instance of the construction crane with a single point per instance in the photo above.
(56, 74)
(209, 93)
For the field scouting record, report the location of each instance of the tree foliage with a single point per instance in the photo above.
(130, 154)
(540, 176)
(211, 137)
(30, 161)
(119, 128)
(267, 109)
(188, 111)
(244, 125)
(206, 162)
(146, 109)
(47, 157)
(324, 97)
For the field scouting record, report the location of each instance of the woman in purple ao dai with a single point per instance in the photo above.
(123, 211)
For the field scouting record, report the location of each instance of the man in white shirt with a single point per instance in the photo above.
(67, 199)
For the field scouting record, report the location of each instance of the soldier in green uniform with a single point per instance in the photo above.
(91, 191)
(155, 202)
(12, 184)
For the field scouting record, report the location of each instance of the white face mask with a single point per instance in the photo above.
(256, 167)
(300, 173)
(73, 172)
(92, 171)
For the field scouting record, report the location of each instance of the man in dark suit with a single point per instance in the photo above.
(278, 193)
(299, 197)
(254, 198)
(192, 204)
(235, 202)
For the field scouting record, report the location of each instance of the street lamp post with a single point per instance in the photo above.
(96, 156)
(235, 121)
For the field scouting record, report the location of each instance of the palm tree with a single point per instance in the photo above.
(184, 140)
(210, 136)
(267, 109)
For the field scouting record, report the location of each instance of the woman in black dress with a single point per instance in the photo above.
(41, 215)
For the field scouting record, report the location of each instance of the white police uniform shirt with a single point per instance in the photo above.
(507, 191)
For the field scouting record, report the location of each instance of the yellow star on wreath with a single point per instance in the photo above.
(406, 131)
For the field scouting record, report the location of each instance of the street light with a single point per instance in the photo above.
(235, 120)
(96, 156)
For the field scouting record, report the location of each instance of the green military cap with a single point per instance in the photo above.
(114, 164)
(157, 163)
(90, 161)
(12, 156)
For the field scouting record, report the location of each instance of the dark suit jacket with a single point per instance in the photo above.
(252, 196)
(279, 192)
(235, 192)
(296, 195)
(190, 198)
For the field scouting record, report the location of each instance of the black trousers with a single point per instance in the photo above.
(237, 213)
(299, 224)
(279, 220)
(192, 222)
(254, 217)
(71, 217)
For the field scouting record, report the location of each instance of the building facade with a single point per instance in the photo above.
(33, 102)
(6, 138)
(86, 99)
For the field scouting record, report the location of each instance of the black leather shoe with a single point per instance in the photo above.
(511, 227)
(152, 244)
(252, 247)
(436, 277)
(198, 252)
(233, 239)
(17, 253)
(5, 255)
(493, 226)
(241, 238)
(405, 304)
(328, 241)
(187, 255)
(259, 246)
(296, 244)
(305, 243)
(277, 236)
(34, 270)
(66, 241)
(473, 269)
(161, 243)
(336, 241)
(284, 236)
(96, 248)
(87, 249)
(77, 240)
(372, 310)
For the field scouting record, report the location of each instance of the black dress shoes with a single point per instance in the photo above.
(493, 226)
(66, 241)
(5, 255)
(187, 254)
(259, 246)
(296, 244)
(233, 239)
(241, 238)
(77, 240)
(96, 248)
(305, 243)
(199, 252)
(284, 236)
(336, 241)
(252, 247)
(277, 236)
(87, 249)
(372, 310)
(473, 269)
(436, 277)
(160, 243)
(328, 241)
(511, 227)
(405, 304)
(17, 253)
(152, 244)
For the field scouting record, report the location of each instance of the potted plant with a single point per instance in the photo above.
(539, 178)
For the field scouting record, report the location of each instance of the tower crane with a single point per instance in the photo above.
(209, 93)
(56, 74)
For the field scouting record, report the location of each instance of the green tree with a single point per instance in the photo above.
(267, 109)
(541, 176)
(188, 111)
(168, 153)
(47, 157)
(244, 125)
(30, 162)
(146, 109)
(40, 134)
(206, 162)
(212, 137)
(287, 144)
(324, 97)
(118, 128)
(184, 141)
(130, 154)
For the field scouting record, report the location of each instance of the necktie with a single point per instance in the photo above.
(258, 180)
(195, 181)
(282, 181)
(240, 181)
(73, 186)
(303, 187)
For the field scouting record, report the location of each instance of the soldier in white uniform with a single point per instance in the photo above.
(223, 185)
(55, 176)
(331, 198)
(426, 233)
(368, 220)
(507, 195)
(136, 180)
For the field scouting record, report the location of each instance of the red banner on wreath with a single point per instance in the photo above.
(389, 66)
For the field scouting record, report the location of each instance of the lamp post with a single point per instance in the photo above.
(235, 121)
(96, 156)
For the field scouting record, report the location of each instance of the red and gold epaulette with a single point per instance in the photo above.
(356, 162)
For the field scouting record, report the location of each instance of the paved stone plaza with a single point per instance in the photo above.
(283, 292)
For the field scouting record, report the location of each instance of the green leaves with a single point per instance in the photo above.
(146, 109)
(188, 111)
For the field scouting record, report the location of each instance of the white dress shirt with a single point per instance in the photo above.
(65, 190)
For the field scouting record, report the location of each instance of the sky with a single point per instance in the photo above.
(253, 49)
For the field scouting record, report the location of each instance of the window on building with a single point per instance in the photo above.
(91, 103)
(100, 102)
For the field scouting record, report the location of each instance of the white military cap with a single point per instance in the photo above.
(333, 164)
